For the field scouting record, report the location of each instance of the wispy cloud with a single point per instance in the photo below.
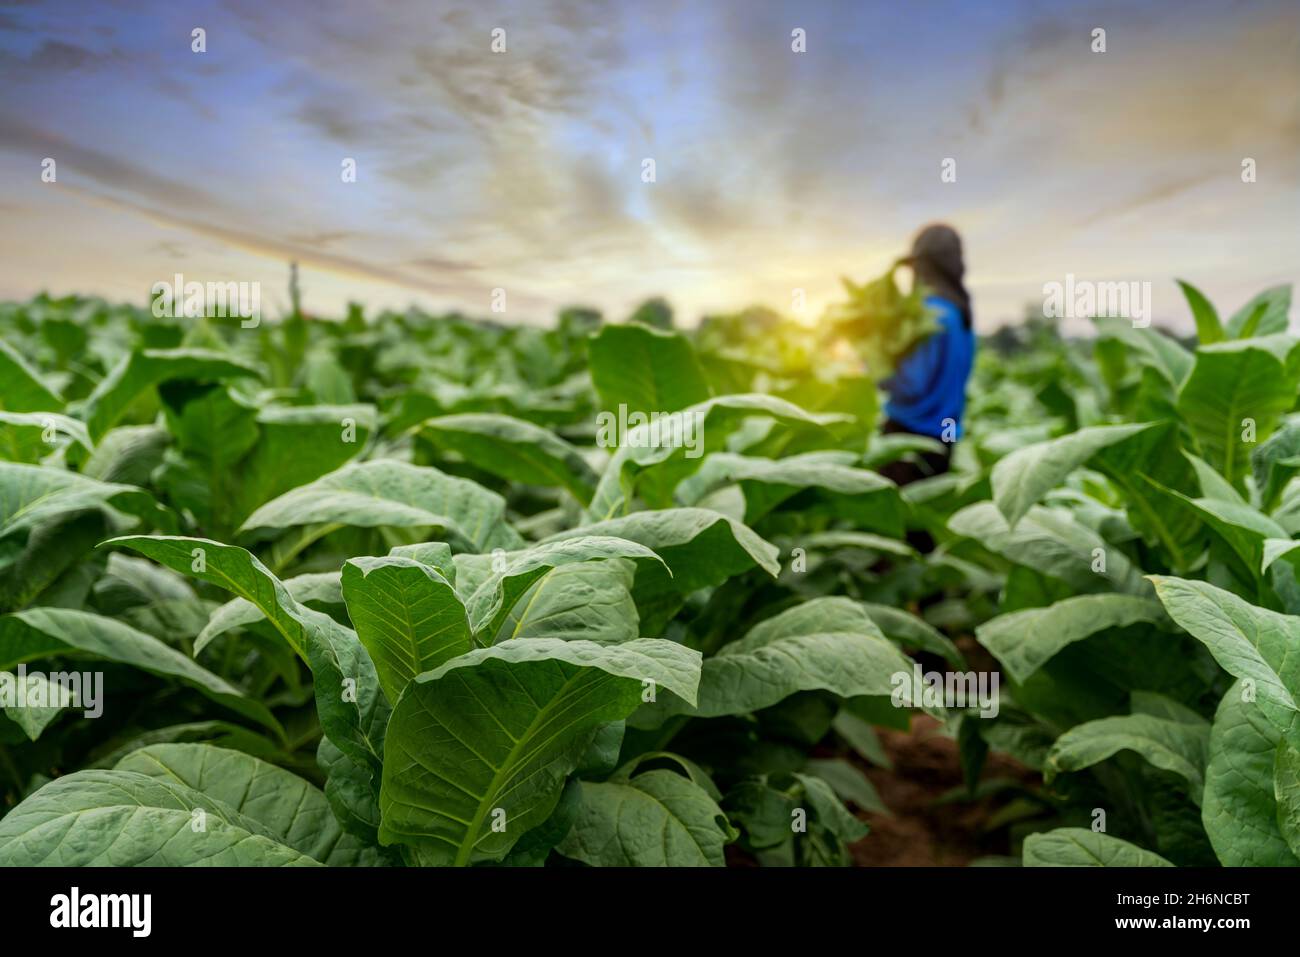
(774, 169)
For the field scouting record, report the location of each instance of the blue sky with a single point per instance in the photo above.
(522, 170)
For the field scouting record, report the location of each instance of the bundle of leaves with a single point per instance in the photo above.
(880, 321)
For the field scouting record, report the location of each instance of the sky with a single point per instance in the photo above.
(522, 170)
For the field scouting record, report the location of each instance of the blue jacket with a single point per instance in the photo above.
(929, 384)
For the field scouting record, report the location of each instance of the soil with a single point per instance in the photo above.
(921, 832)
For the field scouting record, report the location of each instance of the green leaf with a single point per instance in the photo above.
(1268, 311)
(1231, 382)
(23, 434)
(32, 494)
(127, 454)
(848, 783)
(1022, 478)
(699, 547)
(1276, 461)
(125, 819)
(147, 368)
(297, 445)
(813, 646)
(1023, 641)
(1208, 327)
(407, 615)
(291, 810)
(1052, 542)
(1286, 791)
(496, 599)
(320, 587)
(390, 493)
(864, 498)
(349, 702)
(214, 429)
(491, 736)
(651, 459)
(1079, 847)
(645, 370)
(45, 632)
(1176, 746)
(1240, 812)
(21, 388)
(1248, 642)
(913, 633)
(1213, 485)
(1149, 346)
(654, 819)
(859, 735)
(34, 718)
(828, 811)
(515, 450)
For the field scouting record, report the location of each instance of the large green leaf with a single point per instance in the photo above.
(488, 738)
(645, 370)
(1023, 641)
(147, 368)
(1240, 811)
(127, 454)
(826, 644)
(1021, 479)
(351, 707)
(1248, 642)
(291, 809)
(1051, 541)
(407, 615)
(656, 818)
(1171, 745)
(213, 429)
(1286, 791)
(126, 819)
(391, 493)
(1149, 346)
(39, 633)
(1230, 383)
(32, 494)
(1079, 847)
(297, 445)
(699, 548)
(515, 450)
(1128, 455)
(496, 599)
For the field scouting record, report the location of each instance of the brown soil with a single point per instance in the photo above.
(922, 833)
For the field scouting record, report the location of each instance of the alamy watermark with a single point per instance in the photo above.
(655, 430)
(75, 909)
(180, 299)
(60, 689)
(1084, 299)
(956, 689)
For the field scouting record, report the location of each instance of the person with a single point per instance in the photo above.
(927, 392)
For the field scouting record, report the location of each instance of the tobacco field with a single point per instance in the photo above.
(404, 590)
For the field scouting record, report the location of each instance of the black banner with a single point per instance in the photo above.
(338, 907)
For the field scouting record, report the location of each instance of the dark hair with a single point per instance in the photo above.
(937, 263)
